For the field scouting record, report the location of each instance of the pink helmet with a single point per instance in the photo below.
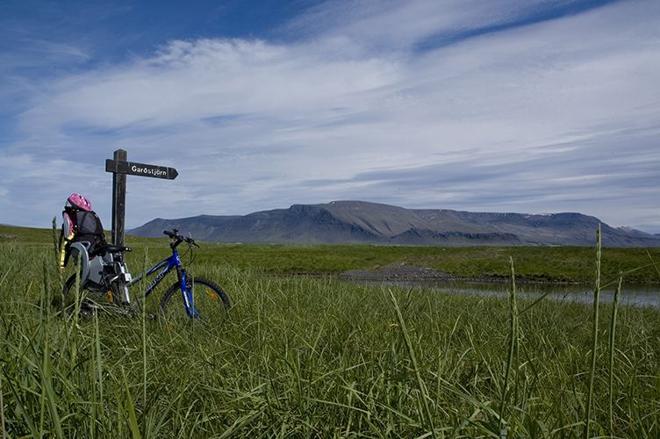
(79, 201)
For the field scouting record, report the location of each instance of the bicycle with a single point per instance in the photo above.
(106, 274)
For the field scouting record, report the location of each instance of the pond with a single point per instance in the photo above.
(634, 295)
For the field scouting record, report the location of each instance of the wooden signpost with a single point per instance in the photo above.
(120, 168)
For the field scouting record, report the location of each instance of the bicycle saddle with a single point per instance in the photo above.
(109, 248)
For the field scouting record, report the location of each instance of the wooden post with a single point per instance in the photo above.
(118, 200)
(120, 167)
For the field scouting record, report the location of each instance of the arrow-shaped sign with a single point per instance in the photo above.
(140, 169)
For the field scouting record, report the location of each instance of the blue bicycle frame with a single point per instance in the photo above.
(166, 265)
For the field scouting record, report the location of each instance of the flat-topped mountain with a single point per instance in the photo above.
(364, 222)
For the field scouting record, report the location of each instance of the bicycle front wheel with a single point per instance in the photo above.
(208, 298)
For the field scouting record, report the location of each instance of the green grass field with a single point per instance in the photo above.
(546, 264)
(301, 356)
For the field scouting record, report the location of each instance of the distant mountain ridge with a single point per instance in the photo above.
(365, 222)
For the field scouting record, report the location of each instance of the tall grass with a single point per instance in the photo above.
(612, 336)
(2, 411)
(513, 341)
(423, 392)
(594, 336)
(316, 357)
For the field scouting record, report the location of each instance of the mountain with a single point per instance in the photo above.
(364, 222)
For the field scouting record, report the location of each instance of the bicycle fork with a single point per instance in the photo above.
(187, 293)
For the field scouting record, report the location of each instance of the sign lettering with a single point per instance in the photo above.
(140, 169)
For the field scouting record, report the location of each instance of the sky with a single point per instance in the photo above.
(531, 106)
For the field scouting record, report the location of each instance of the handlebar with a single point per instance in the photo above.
(178, 239)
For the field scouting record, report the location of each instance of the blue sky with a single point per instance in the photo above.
(510, 105)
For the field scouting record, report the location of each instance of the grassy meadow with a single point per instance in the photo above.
(310, 356)
(543, 264)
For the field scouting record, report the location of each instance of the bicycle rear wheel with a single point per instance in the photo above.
(209, 299)
(90, 299)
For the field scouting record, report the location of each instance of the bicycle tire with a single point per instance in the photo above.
(218, 299)
(69, 299)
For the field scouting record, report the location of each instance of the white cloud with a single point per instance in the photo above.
(190, 81)
(253, 124)
(394, 25)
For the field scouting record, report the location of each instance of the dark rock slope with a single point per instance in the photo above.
(363, 222)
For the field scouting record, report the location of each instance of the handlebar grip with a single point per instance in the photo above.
(175, 235)
(191, 241)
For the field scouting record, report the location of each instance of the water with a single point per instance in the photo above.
(634, 295)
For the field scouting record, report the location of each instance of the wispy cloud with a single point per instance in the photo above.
(540, 115)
